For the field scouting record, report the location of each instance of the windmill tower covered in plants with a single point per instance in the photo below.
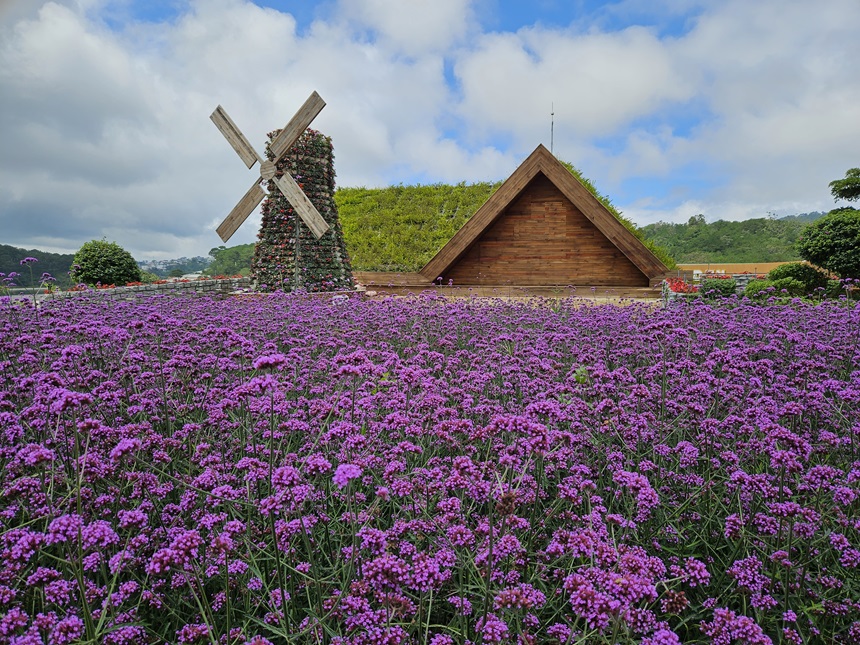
(301, 243)
(288, 256)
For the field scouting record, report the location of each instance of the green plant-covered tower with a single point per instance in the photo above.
(287, 256)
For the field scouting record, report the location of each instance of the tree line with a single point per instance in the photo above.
(763, 239)
(56, 264)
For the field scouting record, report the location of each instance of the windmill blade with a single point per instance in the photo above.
(298, 124)
(241, 211)
(302, 205)
(235, 137)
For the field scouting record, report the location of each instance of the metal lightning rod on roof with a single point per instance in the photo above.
(551, 126)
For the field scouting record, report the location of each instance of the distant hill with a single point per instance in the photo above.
(57, 264)
(804, 217)
(754, 240)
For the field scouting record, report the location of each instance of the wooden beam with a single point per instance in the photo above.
(235, 137)
(481, 220)
(298, 124)
(241, 211)
(302, 205)
(590, 206)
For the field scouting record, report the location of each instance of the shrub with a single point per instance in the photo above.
(759, 288)
(834, 289)
(762, 289)
(100, 261)
(791, 286)
(809, 276)
(718, 287)
(147, 277)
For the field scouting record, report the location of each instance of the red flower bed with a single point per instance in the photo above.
(678, 285)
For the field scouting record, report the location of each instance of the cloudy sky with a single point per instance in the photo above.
(730, 108)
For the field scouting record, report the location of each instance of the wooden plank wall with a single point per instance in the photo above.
(543, 239)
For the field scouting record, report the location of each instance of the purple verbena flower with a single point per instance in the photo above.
(344, 473)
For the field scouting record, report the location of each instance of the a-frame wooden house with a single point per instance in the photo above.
(542, 227)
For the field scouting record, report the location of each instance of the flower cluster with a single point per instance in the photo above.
(7, 281)
(286, 469)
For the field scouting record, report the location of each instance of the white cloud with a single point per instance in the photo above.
(106, 130)
(412, 27)
(781, 83)
(597, 82)
(775, 96)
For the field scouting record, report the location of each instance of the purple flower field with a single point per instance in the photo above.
(281, 469)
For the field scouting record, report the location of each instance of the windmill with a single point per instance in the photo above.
(286, 184)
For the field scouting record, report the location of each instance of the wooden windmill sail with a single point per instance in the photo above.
(286, 184)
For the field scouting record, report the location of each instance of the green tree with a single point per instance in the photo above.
(718, 288)
(833, 242)
(103, 262)
(848, 188)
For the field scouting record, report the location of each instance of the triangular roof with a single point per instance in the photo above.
(542, 161)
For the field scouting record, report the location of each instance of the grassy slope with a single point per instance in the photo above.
(400, 228)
